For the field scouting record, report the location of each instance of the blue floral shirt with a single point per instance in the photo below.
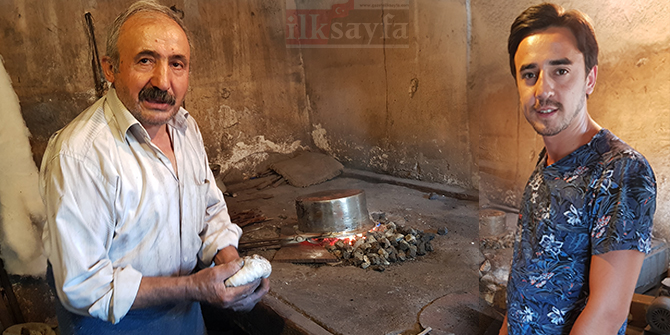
(600, 198)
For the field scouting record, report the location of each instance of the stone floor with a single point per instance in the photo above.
(351, 300)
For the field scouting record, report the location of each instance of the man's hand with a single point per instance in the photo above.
(226, 255)
(208, 285)
(262, 286)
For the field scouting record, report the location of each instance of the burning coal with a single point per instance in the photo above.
(385, 244)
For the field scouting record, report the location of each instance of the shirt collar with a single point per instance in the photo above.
(126, 120)
(599, 143)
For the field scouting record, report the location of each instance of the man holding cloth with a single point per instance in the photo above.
(131, 202)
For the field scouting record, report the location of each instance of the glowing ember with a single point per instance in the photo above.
(350, 240)
(379, 247)
(346, 239)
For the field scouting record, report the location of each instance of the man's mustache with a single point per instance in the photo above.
(541, 103)
(154, 94)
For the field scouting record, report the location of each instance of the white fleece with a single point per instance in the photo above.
(21, 208)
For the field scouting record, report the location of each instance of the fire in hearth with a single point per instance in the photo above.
(386, 243)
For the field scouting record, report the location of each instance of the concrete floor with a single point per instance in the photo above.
(336, 299)
(351, 300)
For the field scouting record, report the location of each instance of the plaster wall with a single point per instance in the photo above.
(364, 111)
(246, 88)
(632, 95)
(257, 100)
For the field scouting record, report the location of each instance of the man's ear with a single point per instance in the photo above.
(108, 69)
(591, 80)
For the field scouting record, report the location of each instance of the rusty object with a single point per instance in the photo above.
(261, 180)
(268, 243)
(304, 253)
(98, 75)
(247, 217)
(649, 314)
(333, 212)
(658, 315)
(491, 222)
(270, 181)
(638, 309)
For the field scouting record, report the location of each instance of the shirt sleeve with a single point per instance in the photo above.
(77, 237)
(625, 202)
(219, 231)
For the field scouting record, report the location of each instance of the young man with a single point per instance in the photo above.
(586, 214)
(131, 202)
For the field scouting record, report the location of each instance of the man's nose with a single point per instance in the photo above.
(161, 76)
(544, 87)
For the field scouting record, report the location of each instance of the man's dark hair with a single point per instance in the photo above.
(547, 15)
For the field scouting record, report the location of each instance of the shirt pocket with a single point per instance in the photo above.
(193, 224)
(195, 207)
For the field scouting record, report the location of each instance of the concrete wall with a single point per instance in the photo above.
(247, 88)
(632, 95)
(46, 54)
(363, 111)
(255, 99)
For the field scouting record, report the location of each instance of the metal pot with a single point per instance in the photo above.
(334, 212)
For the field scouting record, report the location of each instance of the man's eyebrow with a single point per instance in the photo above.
(527, 67)
(181, 58)
(147, 53)
(562, 61)
(154, 54)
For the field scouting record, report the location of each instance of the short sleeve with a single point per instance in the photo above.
(624, 206)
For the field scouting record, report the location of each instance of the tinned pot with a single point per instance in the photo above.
(336, 212)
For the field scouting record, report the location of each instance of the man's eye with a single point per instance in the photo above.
(528, 75)
(561, 72)
(144, 61)
(178, 65)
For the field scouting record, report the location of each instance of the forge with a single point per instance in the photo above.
(335, 297)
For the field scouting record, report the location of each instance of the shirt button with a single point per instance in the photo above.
(185, 259)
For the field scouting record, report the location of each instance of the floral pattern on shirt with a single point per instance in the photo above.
(600, 198)
(556, 315)
(573, 215)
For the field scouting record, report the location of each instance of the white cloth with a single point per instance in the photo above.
(116, 210)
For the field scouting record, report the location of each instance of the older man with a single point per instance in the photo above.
(132, 204)
(586, 214)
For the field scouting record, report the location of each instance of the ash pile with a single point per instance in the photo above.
(387, 243)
